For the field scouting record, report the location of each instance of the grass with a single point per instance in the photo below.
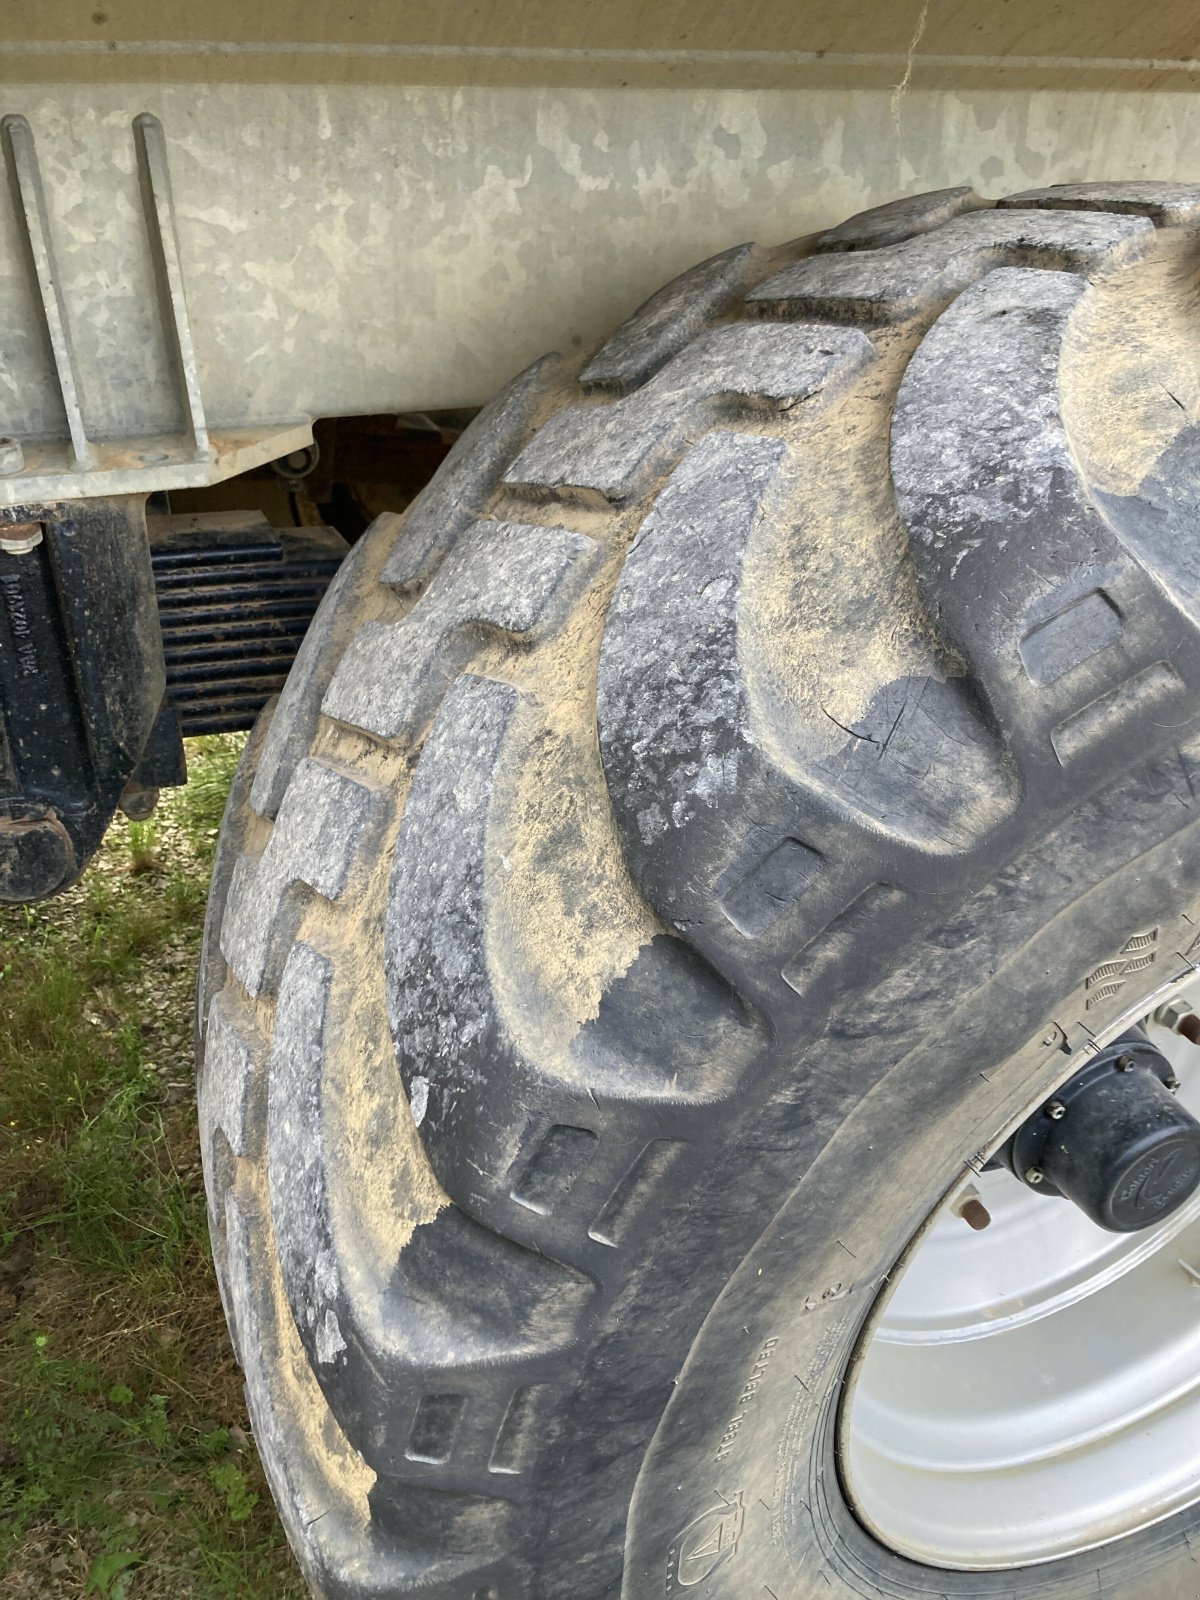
(126, 1467)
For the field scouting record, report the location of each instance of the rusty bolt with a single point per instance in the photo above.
(1056, 1111)
(1180, 1018)
(19, 538)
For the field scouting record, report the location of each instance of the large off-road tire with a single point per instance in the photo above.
(760, 758)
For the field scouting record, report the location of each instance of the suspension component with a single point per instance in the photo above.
(81, 681)
(1113, 1139)
(235, 597)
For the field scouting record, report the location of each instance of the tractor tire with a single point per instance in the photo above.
(747, 777)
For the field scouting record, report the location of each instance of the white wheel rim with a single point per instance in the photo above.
(1031, 1390)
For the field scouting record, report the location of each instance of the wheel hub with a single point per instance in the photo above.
(1031, 1387)
(1114, 1139)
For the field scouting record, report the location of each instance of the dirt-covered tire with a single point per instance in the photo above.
(757, 761)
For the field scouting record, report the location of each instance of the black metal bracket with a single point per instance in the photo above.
(82, 678)
(119, 635)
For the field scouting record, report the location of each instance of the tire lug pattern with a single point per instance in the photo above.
(541, 1178)
(983, 468)
(239, 819)
(691, 773)
(595, 940)
(389, 1379)
(292, 726)
(900, 219)
(467, 477)
(669, 320)
(232, 1107)
(608, 449)
(408, 548)
(506, 578)
(295, 1160)
(675, 730)
(334, 1508)
(232, 1104)
(325, 821)
(901, 280)
(1168, 205)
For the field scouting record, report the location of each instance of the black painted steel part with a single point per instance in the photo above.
(81, 681)
(118, 637)
(235, 597)
(758, 765)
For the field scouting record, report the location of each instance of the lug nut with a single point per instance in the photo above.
(1172, 1083)
(1180, 1018)
(1056, 1111)
(1126, 1063)
(1034, 1175)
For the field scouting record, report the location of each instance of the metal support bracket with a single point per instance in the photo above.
(83, 462)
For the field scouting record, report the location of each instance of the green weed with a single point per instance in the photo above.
(125, 1466)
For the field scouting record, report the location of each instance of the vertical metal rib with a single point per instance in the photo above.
(31, 213)
(164, 243)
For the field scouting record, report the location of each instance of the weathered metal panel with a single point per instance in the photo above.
(351, 248)
(761, 44)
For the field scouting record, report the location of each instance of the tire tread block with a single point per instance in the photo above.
(328, 1499)
(386, 1338)
(234, 1072)
(507, 577)
(900, 279)
(296, 1159)
(985, 474)
(1166, 204)
(605, 448)
(293, 724)
(680, 756)
(531, 1149)
(897, 220)
(325, 821)
(668, 321)
(465, 481)
(725, 842)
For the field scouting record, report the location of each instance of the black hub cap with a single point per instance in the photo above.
(1114, 1140)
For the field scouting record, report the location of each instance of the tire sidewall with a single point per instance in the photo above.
(739, 1493)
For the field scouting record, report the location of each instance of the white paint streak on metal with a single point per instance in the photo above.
(553, 53)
